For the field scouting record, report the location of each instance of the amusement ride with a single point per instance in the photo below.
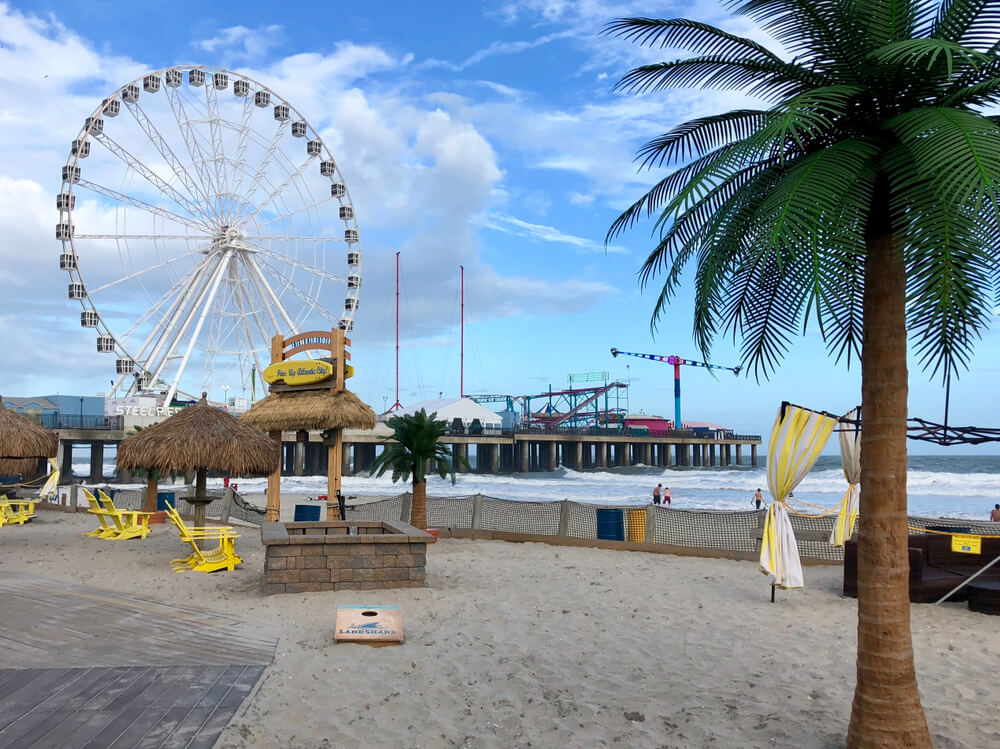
(201, 214)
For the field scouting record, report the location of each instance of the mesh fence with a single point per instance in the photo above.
(450, 512)
(390, 508)
(711, 529)
(520, 517)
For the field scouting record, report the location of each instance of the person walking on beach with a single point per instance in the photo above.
(995, 514)
(666, 496)
(656, 494)
(758, 498)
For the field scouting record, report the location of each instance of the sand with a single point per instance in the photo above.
(518, 645)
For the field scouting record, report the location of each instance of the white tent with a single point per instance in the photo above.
(448, 409)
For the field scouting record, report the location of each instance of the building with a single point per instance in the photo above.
(61, 411)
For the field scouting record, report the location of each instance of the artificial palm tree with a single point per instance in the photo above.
(862, 196)
(411, 447)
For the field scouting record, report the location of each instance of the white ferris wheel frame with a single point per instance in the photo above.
(204, 201)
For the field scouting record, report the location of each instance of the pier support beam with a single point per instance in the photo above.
(553, 455)
(753, 455)
(524, 457)
(705, 457)
(299, 466)
(492, 458)
(96, 462)
(725, 454)
(460, 457)
(345, 459)
(601, 454)
(576, 450)
(739, 455)
(64, 457)
(647, 454)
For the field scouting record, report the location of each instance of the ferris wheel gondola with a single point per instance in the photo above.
(200, 214)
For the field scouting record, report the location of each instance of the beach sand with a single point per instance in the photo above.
(518, 645)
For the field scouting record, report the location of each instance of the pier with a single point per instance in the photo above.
(521, 451)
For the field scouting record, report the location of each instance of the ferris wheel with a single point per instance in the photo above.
(200, 214)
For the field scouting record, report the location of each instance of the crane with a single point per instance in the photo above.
(677, 362)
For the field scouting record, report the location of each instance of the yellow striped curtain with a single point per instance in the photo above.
(797, 439)
(850, 459)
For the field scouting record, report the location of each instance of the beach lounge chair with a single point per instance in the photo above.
(15, 511)
(204, 560)
(117, 525)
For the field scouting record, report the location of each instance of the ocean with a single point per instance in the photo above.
(957, 486)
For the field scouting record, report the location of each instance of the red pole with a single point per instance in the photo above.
(461, 359)
(397, 404)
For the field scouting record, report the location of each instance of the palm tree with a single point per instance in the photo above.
(864, 197)
(411, 447)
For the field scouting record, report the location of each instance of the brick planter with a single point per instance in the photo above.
(308, 557)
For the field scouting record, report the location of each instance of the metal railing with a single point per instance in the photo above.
(58, 420)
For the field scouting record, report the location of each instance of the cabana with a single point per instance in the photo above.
(23, 443)
(322, 402)
(199, 439)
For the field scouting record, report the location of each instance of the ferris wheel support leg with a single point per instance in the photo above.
(244, 304)
(205, 308)
(252, 264)
(264, 298)
(162, 334)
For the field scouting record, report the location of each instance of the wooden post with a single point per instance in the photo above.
(152, 485)
(199, 507)
(274, 485)
(338, 344)
(227, 503)
(274, 479)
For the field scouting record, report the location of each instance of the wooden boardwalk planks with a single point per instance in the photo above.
(48, 623)
(102, 707)
(87, 668)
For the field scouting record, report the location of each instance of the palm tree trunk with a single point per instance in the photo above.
(418, 508)
(886, 711)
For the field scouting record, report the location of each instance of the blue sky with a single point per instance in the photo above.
(481, 134)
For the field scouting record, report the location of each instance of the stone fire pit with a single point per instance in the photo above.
(339, 555)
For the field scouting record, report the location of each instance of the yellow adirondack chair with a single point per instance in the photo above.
(127, 523)
(117, 525)
(15, 511)
(223, 557)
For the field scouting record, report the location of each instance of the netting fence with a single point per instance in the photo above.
(735, 531)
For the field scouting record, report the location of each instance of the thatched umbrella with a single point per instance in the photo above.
(199, 438)
(23, 443)
(310, 409)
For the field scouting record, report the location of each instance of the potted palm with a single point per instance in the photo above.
(410, 450)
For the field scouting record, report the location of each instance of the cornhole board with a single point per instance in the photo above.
(370, 625)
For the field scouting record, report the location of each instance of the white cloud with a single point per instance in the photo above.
(241, 43)
(540, 232)
(576, 198)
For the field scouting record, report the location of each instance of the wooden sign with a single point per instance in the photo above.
(299, 372)
(967, 544)
(375, 625)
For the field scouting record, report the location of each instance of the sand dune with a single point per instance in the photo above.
(518, 645)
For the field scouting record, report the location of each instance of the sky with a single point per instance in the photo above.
(475, 134)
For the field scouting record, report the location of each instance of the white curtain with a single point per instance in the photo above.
(850, 459)
(797, 439)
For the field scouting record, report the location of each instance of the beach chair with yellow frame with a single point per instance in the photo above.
(117, 525)
(15, 511)
(223, 557)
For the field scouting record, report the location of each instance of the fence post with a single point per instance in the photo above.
(650, 524)
(227, 503)
(477, 511)
(74, 496)
(406, 507)
(564, 518)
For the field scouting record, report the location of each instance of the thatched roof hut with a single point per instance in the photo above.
(200, 437)
(22, 443)
(310, 409)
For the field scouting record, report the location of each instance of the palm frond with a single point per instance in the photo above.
(926, 53)
(701, 136)
(691, 36)
(974, 23)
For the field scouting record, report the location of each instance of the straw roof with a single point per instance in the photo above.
(200, 436)
(21, 438)
(24, 467)
(310, 409)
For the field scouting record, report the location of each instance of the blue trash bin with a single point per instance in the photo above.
(610, 525)
(161, 500)
(306, 513)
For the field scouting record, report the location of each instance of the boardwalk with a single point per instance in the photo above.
(82, 667)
